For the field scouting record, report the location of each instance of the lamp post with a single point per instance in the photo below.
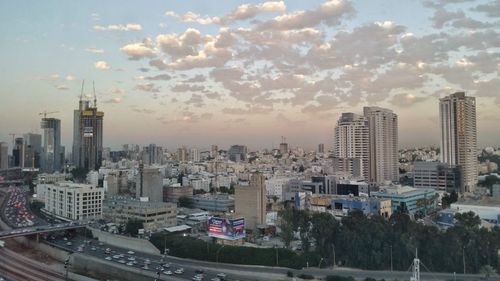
(463, 256)
(217, 255)
(66, 267)
(391, 258)
(333, 251)
(276, 249)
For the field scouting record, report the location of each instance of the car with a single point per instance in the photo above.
(131, 259)
(147, 261)
(215, 279)
(130, 252)
(145, 267)
(196, 278)
(130, 263)
(93, 249)
(101, 244)
(122, 261)
(168, 272)
(222, 276)
(179, 271)
(80, 249)
(69, 243)
(108, 258)
(167, 265)
(108, 250)
(116, 256)
(199, 271)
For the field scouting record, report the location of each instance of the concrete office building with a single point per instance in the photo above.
(283, 146)
(149, 183)
(194, 155)
(351, 145)
(154, 215)
(71, 201)
(51, 159)
(182, 154)
(237, 153)
(437, 175)
(116, 182)
(4, 155)
(457, 117)
(383, 145)
(321, 148)
(250, 201)
(87, 135)
(214, 151)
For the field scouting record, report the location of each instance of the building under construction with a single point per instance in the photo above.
(87, 134)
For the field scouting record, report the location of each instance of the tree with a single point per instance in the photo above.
(79, 174)
(468, 220)
(286, 225)
(324, 227)
(133, 225)
(487, 271)
(185, 202)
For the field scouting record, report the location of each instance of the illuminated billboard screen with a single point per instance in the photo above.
(229, 229)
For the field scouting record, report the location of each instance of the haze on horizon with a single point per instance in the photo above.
(247, 72)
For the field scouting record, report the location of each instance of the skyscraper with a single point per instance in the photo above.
(457, 118)
(351, 144)
(321, 148)
(87, 135)
(383, 144)
(237, 153)
(33, 150)
(283, 146)
(51, 159)
(4, 155)
(18, 152)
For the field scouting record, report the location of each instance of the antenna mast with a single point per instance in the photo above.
(95, 97)
(416, 267)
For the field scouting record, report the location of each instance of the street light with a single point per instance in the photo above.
(391, 258)
(217, 255)
(333, 250)
(66, 267)
(277, 261)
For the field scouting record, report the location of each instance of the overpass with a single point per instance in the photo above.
(41, 229)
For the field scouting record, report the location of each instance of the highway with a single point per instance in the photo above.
(16, 267)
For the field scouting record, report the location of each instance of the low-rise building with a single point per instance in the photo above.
(214, 202)
(71, 201)
(408, 198)
(437, 175)
(154, 215)
(174, 192)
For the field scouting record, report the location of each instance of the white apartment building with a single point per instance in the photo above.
(274, 187)
(72, 201)
(383, 144)
(351, 144)
(457, 117)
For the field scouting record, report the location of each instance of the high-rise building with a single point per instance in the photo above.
(87, 135)
(18, 152)
(250, 201)
(351, 145)
(51, 159)
(321, 148)
(33, 150)
(214, 151)
(237, 153)
(383, 145)
(194, 155)
(457, 114)
(182, 154)
(283, 146)
(4, 155)
(149, 183)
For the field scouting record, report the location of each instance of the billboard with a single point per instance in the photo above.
(229, 229)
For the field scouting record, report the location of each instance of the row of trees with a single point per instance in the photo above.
(369, 242)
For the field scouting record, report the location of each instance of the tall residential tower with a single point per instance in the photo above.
(51, 158)
(457, 118)
(383, 144)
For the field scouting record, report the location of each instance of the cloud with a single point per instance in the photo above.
(183, 87)
(148, 87)
(248, 110)
(119, 27)
(115, 100)
(101, 65)
(69, 77)
(196, 79)
(137, 51)
(242, 12)
(406, 100)
(491, 9)
(62, 87)
(142, 110)
(95, 50)
(329, 13)
(159, 77)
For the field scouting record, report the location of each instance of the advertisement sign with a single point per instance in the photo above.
(229, 229)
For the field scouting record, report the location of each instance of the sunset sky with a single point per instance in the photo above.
(224, 72)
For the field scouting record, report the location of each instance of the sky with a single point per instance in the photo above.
(197, 73)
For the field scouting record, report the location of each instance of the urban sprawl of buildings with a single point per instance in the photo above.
(365, 170)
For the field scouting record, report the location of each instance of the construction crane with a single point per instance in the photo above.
(45, 113)
(13, 139)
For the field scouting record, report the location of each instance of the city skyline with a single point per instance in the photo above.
(200, 74)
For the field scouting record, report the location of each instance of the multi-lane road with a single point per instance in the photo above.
(16, 267)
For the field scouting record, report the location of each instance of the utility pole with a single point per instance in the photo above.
(391, 258)
(333, 250)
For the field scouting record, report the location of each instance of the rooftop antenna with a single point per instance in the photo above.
(95, 97)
